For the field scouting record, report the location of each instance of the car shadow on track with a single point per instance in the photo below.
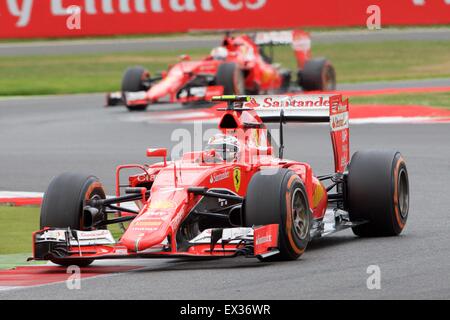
(204, 264)
(330, 241)
(186, 264)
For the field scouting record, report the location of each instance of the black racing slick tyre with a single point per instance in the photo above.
(378, 192)
(231, 78)
(279, 197)
(62, 206)
(134, 81)
(317, 75)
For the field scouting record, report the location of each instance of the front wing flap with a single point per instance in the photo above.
(50, 244)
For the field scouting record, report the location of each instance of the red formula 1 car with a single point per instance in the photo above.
(234, 198)
(243, 64)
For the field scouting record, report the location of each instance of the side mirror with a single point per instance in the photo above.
(185, 57)
(158, 153)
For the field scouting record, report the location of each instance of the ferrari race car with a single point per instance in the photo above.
(241, 65)
(235, 198)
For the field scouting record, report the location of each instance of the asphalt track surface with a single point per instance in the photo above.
(191, 41)
(42, 137)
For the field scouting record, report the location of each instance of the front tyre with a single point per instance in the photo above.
(378, 192)
(62, 206)
(279, 197)
(134, 80)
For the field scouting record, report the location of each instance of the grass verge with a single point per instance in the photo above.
(86, 73)
(439, 99)
(16, 226)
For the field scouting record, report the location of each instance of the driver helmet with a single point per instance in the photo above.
(227, 146)
(219, 53)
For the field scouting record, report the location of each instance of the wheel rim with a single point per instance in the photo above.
(83, 224)
(300, 215)
(403, 193)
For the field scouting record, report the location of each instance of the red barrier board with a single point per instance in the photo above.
(53, 18)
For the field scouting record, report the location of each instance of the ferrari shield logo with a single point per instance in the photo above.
(237, 179)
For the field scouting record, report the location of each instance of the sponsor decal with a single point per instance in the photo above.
(136, 96)
(148, 223)
(216, 177)
(289, 102)
(237, 179)
(145, 229)
(344, 161)
(264, 239)
(317, 196)
(155, 213)
(146, 178)
(88, 235)
(23, 18)
(222, 202)
(344, 136)
(121, 251)
(339, 121)
(162, 205)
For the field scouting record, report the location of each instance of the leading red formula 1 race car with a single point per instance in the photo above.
(235, 198)
(241, 65)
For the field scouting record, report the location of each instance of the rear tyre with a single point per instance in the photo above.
(231, 78)
(378, 192)
(134, 81)
(62, 206)
(279, 197)
(317, 75)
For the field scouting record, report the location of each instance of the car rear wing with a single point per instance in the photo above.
(298, 39)
(323, 108)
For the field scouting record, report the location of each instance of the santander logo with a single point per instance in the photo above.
(287, 101)
(23, 9)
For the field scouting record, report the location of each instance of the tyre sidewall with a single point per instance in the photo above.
(62, 205)
(269, 201)
(294, 246)
(373, 191)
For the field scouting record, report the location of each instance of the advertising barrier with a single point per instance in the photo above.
(74, 18)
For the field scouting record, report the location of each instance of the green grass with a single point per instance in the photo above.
(439, 99)
(33, 75)
(85, 73)
(359, 62)
(16, 226)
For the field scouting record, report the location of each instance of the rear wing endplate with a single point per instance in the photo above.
(298, 39)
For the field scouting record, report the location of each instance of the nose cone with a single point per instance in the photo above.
(156, 221)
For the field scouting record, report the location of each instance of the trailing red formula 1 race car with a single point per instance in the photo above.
(234, 198)
(241, 65)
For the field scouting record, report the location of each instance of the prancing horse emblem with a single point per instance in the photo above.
(237, 179)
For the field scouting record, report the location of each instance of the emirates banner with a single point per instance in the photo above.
(74, 18)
